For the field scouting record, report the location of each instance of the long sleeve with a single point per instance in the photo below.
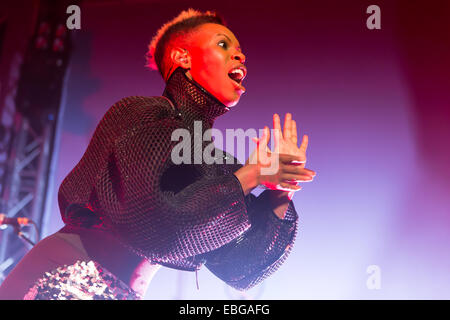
(258, 252)
(119, 178)
(203, 216)
(177, 216)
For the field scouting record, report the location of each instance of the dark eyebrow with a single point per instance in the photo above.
(222, 34)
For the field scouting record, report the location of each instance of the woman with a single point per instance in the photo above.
(129, 209)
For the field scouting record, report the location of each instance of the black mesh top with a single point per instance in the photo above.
(180, 216)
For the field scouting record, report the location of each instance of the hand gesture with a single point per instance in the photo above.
(285, 167)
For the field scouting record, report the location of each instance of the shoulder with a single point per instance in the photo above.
(140, 107)
(142, 100)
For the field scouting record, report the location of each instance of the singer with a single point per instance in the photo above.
(128, 209)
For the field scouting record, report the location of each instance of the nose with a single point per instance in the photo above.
(238, 55)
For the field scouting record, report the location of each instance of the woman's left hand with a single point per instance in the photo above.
(285, 141)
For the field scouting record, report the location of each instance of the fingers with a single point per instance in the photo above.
(298, 170)
(287, 126)
(264, 139)
(294, 132)
(276, 122)
(276, 131)
(285, 186)
(304, 144)
(296, 177)
(266, 136)
(310, 172)
(262, 149)
(289, 158)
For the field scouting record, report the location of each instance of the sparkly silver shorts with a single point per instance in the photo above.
(80, 281)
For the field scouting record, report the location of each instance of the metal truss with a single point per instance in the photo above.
(28, 126)
(24, 184)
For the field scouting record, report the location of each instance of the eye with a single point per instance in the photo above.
(223, 44)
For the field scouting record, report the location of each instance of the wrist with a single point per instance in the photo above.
(279, 202)
(248, 177)
(280, 196)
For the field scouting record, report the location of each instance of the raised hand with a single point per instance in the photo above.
(283, 168)
(285, 142)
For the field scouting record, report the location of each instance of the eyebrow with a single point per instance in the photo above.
(222, 34)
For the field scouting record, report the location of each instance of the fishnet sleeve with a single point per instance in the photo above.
(167, 226)
(260, 251)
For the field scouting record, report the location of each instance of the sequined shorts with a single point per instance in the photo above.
(83, 280)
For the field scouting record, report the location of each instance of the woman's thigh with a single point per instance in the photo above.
(50, 253)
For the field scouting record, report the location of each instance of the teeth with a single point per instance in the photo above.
(238, 71)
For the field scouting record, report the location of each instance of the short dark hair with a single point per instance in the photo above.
(172, 31)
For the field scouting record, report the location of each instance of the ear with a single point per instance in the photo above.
(181, 57)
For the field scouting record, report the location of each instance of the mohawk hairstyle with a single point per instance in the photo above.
(180, 26)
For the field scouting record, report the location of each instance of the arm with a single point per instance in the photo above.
(167, 226)
(279, 202)
(260, 251)
(164, 226)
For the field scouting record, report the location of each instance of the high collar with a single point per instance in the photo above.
(191, 100)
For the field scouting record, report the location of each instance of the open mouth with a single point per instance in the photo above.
(237, 74)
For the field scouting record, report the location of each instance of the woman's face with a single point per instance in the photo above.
(216, 59)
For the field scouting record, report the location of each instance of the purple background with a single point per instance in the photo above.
(373, 102)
